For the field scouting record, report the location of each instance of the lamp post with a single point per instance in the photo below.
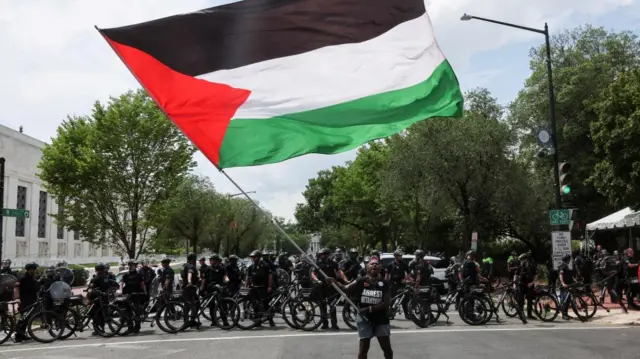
(552, 97)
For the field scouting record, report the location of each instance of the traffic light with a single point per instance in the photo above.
(565, 178)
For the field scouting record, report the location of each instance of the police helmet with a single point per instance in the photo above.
(255, 253)
(191, 257)
(31, 265)
(215, 257)
(324, 251)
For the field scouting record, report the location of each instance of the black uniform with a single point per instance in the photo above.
(566, 273)
(191, 291)
(423, 269)
(470, 270)
(258, 277)
(148, 275)
(167, 274)
(397, 272)
(330, 268)
(235, 278)
(350, 268)
(528, 272)
(28, 289)
(303, 272)
(99, 285)
(133, 285)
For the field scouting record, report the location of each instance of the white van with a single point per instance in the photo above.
(439, 266)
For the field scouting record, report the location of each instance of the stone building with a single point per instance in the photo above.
(36, 238)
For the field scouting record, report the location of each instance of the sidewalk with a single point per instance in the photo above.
(616, 317)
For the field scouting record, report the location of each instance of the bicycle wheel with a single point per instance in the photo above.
(113, 321)
(580, 308)
(170, 317)
(592, 304)
(474, 310)
(510, 305)
(8, 326)
(72, 323)
(546, 307)
(226, 314)
(420, 315)
(350, 315)
(45, 322)
(304, 313)
(249, 316)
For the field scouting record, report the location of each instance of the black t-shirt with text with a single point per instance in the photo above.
(370, 292)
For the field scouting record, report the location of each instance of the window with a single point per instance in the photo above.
(76, 235)
(77, 250)
(62, 249)
(21, 249)
(60, 228)
(43, 249)
(105, 250)
(21, 204)
(93, 250)
(42, 215)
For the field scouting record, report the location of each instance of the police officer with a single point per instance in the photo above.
(528, 275)
(565, 274)
(100, 285)
(234, 274)
(469, 273)
(338, 255)
(397, 271)
(190, 281)
(6, 268)
(351, 266)
(45, 283)
(285, 263)
(216, 275)
(419, 259)
(26, 293)
(261, 279)
(132, 283)
(148, 275)
(167, 276)
(203, 267)
(303, 271)
(331, 269)
(487, 266)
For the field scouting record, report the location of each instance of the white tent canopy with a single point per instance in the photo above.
(614, 220)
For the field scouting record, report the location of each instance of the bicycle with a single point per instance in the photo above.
(348, 314)
(573, 295)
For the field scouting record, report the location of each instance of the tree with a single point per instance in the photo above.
(616, 136)
(109, 170)
(585, 61)
(188, 215)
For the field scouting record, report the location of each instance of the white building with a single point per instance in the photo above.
(36, 238)
(314, 246)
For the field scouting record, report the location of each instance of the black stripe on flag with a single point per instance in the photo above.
(250, 31)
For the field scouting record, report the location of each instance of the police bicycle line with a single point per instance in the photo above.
(59, 315)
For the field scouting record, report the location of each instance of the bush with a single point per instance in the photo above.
(80, 274)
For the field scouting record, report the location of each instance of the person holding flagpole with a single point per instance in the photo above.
(374, 298)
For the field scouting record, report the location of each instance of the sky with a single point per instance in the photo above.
(53, 63)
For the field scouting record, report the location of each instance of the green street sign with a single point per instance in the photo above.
(559, 217)
(18, 213)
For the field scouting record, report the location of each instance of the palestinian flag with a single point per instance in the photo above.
(261, 81)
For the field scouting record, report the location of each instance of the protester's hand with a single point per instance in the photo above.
(364, 310)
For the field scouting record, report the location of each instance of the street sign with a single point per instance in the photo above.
(474, 241)
(18, 213)
(561, 246)
(559, 217)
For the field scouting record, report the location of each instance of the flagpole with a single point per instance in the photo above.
(255, 204)
(282, 231)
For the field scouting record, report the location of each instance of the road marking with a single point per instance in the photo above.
(301, 335)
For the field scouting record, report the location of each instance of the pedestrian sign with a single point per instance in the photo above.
(559, 217)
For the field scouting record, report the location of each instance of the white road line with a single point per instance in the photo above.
(301, 335)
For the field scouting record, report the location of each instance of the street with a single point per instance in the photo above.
(508, 340)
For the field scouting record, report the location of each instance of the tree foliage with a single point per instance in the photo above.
(433, 184)
(109, 170)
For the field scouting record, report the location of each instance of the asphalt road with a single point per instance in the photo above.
(456, 340)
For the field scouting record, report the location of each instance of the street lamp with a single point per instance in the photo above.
(240, 194)
(552, 97)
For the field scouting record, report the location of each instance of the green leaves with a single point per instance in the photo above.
(111, 168)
